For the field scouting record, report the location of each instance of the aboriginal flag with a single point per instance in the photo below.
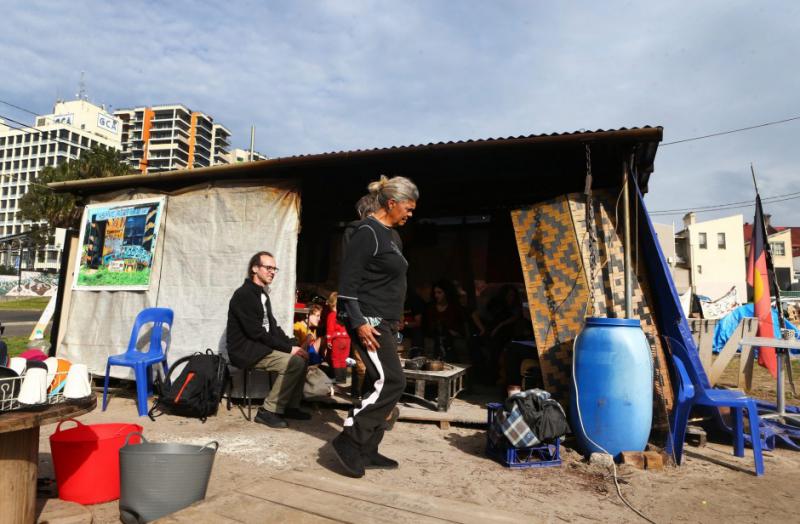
(758, 278)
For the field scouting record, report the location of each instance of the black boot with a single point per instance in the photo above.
(349, 456)
(377, 461)
(268, 418)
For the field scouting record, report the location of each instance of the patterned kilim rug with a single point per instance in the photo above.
(557, 274)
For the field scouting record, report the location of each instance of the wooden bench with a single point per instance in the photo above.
(449, 383)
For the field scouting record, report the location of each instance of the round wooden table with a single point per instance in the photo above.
(19, 456)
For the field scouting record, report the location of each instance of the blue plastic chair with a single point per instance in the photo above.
(141, 361)
(691, 393)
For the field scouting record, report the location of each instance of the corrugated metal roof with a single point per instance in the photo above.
(581, 132)
(292, 165)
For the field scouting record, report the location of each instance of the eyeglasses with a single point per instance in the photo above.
(270, 268)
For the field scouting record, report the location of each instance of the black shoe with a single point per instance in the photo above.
(340, 375)
(268, 418)
(349, 456)
(392, 418)
(296, 414)
(378, 461)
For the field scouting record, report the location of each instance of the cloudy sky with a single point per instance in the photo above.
(317, 76)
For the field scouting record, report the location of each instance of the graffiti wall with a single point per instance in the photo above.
(34, 284)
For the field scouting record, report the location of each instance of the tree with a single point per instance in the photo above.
(59, 209)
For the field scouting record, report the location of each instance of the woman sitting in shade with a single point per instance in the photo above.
(372, 289)
(444, 320)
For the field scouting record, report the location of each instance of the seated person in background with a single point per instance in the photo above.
(305, 331)
(444, 320)
(413, 311)
(505, 313)
(338, 342)
(255, 340)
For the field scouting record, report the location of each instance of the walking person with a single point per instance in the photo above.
(372, 289)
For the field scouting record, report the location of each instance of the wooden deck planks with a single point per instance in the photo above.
(323, 498)
(417, 506)
(232, 507)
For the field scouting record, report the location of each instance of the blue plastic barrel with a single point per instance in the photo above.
(613, 385)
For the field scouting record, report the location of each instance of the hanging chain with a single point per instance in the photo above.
(590, 225)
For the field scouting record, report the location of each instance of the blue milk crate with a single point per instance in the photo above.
(542, 456)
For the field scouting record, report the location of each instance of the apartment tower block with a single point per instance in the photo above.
(170, 137)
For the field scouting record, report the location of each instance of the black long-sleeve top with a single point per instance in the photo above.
(247, 338)
(372, 281)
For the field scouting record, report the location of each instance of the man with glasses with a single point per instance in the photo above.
(255, 340)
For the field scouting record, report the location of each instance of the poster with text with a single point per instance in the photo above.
(117, 245)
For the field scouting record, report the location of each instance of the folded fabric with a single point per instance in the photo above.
(543, 415)
(511, 424)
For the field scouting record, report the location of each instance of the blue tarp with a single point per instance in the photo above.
(727, 325)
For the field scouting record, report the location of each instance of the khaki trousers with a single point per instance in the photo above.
(287, 390)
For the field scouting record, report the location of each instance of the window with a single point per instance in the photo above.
(778, 248)
(703, 241)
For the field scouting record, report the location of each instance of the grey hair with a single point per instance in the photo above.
(398, 188)
(366, 205)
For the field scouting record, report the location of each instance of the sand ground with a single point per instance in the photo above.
(711, 486)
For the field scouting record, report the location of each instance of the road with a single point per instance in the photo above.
(19, 323)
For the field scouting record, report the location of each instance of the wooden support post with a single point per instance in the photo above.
(745, 381)
(19, 465)
(443, 400)
(419, 388)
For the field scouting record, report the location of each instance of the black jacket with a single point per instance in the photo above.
(372, 279)
(247, 340)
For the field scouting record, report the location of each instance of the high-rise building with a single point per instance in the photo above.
(72, 128)
(169, 137)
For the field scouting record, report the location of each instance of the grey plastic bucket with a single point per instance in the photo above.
(157, 479)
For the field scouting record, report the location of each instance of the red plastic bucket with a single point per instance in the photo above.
(86, 460)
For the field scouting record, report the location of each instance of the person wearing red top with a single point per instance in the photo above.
(338, 342)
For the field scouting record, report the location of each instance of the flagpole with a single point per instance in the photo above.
(779, 352)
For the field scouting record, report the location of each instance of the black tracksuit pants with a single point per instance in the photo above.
(365, 425)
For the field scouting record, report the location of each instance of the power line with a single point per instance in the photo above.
(18, 107)
(40, 133)
(748, 128)
(723, 207)
(748, 202)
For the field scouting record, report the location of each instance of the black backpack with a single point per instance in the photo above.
(196, 391)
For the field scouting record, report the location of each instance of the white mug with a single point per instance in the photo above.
(34, 387)
(18, 364)
(77, 384)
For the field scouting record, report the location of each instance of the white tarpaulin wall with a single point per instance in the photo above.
(207, 236)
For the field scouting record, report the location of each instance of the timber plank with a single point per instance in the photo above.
(462, 414)
(422, 508)
(746, 328)
(232, 507)
(324, 503)
(745, 380)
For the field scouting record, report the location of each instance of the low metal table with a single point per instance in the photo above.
(449, 382)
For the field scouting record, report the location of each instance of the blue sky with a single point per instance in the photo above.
(324, 76)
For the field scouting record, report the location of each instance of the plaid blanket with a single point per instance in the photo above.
(510, 426)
